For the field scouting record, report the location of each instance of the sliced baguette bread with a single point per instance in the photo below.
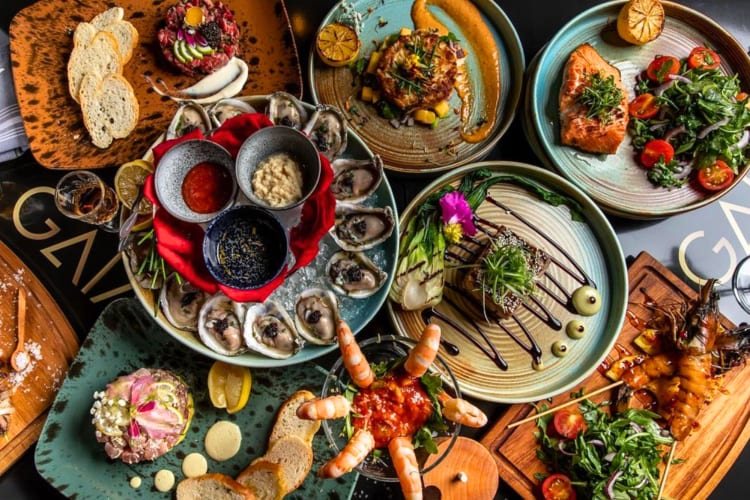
(127, 38)
(99, 57)
(109, 16)
(83, 34)
(289, 424)
(265, 478)
(295, 457)
(213, 486)
(110, 107)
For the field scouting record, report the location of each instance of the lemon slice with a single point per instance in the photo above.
(129, 179)
(229, 386)
(337, 44)
(640, 21)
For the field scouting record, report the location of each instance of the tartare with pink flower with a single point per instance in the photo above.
(143, 415)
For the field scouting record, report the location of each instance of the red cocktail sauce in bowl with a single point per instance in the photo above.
(207, 188)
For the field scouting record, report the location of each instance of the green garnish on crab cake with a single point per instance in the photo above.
(143, 415)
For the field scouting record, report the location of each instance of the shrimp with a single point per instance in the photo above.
(358, 447)
(354, 361)
(652, 367)
(693, 372)
(421, 357)
(405, 463)
(336, 406)
(461, 411)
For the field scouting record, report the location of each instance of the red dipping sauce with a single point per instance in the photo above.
(393, 406)
(207, 188)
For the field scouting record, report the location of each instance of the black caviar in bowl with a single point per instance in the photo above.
(245, 247)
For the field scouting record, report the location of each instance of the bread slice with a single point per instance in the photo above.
(289, 424)
(127, 38)
(214, 486)
(109, 16)
(83, 34)
(110, 107)
(265, 478)
(99, 57)
(295, 457)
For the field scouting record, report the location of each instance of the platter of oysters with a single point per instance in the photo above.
(348, 279)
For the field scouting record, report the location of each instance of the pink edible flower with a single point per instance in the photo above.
(457, 217)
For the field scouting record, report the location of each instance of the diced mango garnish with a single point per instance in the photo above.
(366, 94)
(375, 96)
(405, 31)
(442, 108)
(425, 116)
(374, 60)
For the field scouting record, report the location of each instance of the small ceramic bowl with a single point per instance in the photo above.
(378, 349)
(272, 142)
(195, 180)
(245, 247)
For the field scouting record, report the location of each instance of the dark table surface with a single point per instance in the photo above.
(706, 242)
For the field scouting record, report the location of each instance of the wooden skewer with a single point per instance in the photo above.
(566, 404)
(16, 361)
(663, 481)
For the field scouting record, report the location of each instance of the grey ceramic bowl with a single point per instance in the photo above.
(177, 163)
(273, 140)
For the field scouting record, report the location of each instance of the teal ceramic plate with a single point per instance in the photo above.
(357, 312)
(124, 339)
(578, 248)
(419, 149)
(616, 182)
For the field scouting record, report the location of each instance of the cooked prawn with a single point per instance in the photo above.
(354, 361)
(693, 372)
(421, 357)
(336, 406)
(461, 411)
(355, 451)
(405, 463)
(652, 367)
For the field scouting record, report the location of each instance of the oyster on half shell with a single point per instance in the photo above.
(353, 274)
(355, 180)
(220, 325)
(189, 116)
(228, 108)
(358, 227)
(181, 303)
(285, 109)
(327, 129)
(270, 331)
(316, 314)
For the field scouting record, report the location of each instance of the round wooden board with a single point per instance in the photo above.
(471, 458)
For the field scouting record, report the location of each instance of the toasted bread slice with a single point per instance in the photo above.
(109, 16)
(472, 283)
(266, 479)
(99, 57)
(109, 106)
(83, 34)
(289, 424)
(127, 38)
(214, 486)
(295, 457)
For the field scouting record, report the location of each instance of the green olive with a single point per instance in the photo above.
(560, 349)
(575, 329)
(587, 300)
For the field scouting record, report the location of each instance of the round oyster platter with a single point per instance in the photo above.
(220, 328)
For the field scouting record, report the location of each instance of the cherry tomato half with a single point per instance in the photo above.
(715, 177)
(558, 487)
(654, 150)
(568, 424)
(662, 66)
(643, 107)
(703, 58)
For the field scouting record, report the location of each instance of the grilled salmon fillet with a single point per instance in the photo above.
(577, 129)
(418, 70)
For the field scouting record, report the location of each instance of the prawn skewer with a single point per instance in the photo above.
(461, 411)
(354, 361)
(336, 406)
(405, 463)
(355, 451)
(653, 367)
(423, 354)
(693, 372)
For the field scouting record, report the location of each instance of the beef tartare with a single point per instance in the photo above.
(143, 415)
(199, 36)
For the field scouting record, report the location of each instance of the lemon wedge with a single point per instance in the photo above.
(337, 44)
(129, 179)
(640, 21)
(229, 386)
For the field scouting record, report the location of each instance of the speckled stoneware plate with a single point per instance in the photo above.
(357, 312)
(616, 182)
(420, 149)
(124, 339)
(581, 251)
(41, 39)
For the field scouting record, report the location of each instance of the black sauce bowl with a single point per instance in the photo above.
(245, 247)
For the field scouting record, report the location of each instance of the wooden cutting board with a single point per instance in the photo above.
(708, 452)
(53, 345)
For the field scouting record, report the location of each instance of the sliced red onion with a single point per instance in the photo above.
(596, 442)
(201, 40)
(609, 456)
(707, 130)
(610, 489)
(395, 123)
(680, 78)
(636, 427)
(657, 126)
(675, 131)
(744, 140)
(663, 87)
(641, 484)
(561, 447)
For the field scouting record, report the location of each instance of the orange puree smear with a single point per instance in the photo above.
(482, 42)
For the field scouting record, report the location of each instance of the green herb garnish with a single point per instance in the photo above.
(505, 270)
(663, 174)
(601, 96)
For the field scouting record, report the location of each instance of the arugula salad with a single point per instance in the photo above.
(690, 121)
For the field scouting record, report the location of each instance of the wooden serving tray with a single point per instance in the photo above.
(708, 452)
(47, 327)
